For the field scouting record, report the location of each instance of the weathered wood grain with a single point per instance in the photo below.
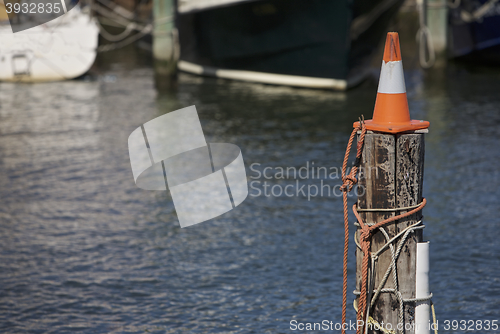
(391, 176)
(410, 150)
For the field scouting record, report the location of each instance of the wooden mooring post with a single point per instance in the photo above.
(391, 176)
(390, 180)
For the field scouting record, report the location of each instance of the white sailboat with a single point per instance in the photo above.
(63, 48)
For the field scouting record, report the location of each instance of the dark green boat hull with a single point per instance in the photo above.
(307, 38)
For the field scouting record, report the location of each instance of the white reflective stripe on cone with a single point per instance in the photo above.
(392, 80)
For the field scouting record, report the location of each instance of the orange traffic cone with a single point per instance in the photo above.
(391, 113)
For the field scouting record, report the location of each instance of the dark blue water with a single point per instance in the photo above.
(82, 249)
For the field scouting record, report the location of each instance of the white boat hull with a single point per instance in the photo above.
(61, 49)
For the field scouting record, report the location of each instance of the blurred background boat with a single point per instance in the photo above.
(474, 30)
(308, 43)
(62, 48)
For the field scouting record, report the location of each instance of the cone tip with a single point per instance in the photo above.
(392, 51)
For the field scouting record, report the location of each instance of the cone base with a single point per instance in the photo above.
(395, 127)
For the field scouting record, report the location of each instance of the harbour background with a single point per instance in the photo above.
(83, 249)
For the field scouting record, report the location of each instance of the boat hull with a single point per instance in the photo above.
(307, 43)
(61, 49)
(475, 38)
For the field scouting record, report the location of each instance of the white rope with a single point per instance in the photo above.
(405, 300)
(108, 47)
(122, 39)
(122, 11)
(424, 39)
(118, 37)
(414, 226)
(113, 16)
(426, 53)
(392, 267)
(384, 210)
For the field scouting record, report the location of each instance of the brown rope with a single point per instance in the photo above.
(366, 231)
(348, 182)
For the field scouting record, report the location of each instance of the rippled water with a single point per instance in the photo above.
(82, 249)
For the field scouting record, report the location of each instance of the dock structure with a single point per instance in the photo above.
(165, 50)
(432, 34)
(437, 21)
